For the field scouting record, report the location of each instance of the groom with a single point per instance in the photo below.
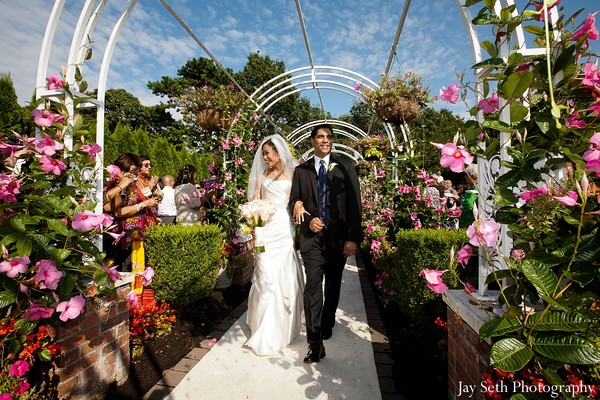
(325, 201)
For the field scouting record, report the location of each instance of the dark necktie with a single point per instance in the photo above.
(322, 193)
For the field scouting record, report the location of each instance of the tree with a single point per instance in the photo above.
(124, 108)
(11, 113)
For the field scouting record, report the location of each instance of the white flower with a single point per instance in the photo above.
(330, 167)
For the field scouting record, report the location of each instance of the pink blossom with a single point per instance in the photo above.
(9, 187)
(228, 176)
(22, 387)
(72, 308)
(535, 193)
(107, 220)
(116, 236)
(490, 104)
(591, 76)
(517, 254)
(37, 312)
(54, 82)
(132, 299)
(454, 156)
(6, 396)
(19, 368)
(375, 246)
(47, 145)
(569, 200)
(241, 192)
(45, 117)
(236, 141)
(433, 278)
(112, 170)
(86, 221)
(483, 233)
(417, 225)
(370, 228)
(147, 276)
(540, 6)
(225, 144)
(595, 108)
(469, 288)
(91, 150)
(574, 122)
(53, 165)
(239, 162)
(414, 216)
(594, 166)
(252, 145)
(451, 94)
(587, 27)
(16, 265)
(464, 254)
(358, 86)
(113, 274)
(47, 275)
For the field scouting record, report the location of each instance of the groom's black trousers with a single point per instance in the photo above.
(321, 260)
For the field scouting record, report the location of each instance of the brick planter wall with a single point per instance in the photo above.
(468, 356)
(95, 347)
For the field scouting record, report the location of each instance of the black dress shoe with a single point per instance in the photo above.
(326, 333)
(315, 353)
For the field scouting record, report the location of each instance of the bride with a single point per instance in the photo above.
(275, 302)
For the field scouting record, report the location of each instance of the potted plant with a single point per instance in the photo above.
(398, 98)
(212, 108)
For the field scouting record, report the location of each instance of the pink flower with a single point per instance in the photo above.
(587, 27)
(54, 82)
(72, 308)
(225, 144)
(19, 368)
(107, 220)
(241, 192)
(375, 246)
(464, 254)
(469, 288)
(16, 265)
(451, 94)
(535, 193)
(358, 86)
(147, 276)
(53, 165)
(591, 76)
(433, 278)
(47, 145)
(595, 108)
(86, 221)
(574, 122)
(454, 156)
(9, 187)
(517, 255)
(228, 176)
(116, 236)
(47, 274)
(113, 274)
(91, 150)
(252, 145)
(483, 233)
(239, 162)
(112, 170)
(236, 141)
(22, 387)
(569, 200)
(540, 6)
(490, 104)
(45, 117)
(132, 299)
(6, 396)
(37, 312)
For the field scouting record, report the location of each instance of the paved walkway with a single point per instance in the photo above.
(358, 363)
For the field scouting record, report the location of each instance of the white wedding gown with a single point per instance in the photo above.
(275, 301)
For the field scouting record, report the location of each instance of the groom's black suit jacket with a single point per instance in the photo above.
(343, 201)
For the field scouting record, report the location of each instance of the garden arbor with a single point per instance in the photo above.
(309, 78)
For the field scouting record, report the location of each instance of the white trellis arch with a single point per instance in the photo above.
(299, 80)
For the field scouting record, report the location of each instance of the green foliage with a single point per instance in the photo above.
(429, 249)
(13, 117)
(186, 261)
(409, 85)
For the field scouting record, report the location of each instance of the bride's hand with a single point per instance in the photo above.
(299, 212)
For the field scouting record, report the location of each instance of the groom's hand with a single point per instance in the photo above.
(349, 248)
(316, 225)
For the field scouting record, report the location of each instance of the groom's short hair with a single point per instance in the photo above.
(314, 130)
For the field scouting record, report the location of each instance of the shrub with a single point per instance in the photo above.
(186, 260)
(399, 278)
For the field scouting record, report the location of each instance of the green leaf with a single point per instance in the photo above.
(534, 29)
(558, 321)
(470, 3)
(510, 354)
(490, 48)
(516, 84)
(541, 277)
(88, 54)
(24, 246)
(490, 62)
(489, 4)
(45, 355)
(518, 112)
(499, 327)
(566, 347)
(497, 125)
(548, 259)
(486, 19)
(7, 298)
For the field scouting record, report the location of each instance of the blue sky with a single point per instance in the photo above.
(352, 34)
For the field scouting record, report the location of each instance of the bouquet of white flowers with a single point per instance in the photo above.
(257, 213)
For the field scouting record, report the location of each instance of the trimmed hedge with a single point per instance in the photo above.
(186, 261)
(418, 250)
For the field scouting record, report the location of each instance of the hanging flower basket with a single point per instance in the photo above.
(213, 120)
(397, 109)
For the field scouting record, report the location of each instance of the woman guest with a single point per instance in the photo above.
(190, 200)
